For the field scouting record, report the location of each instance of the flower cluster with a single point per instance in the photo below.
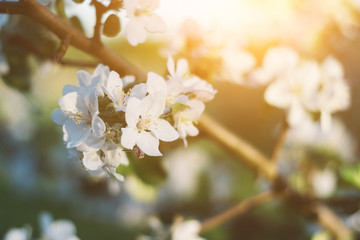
(305, 88)
(51, 230)
(107, 114)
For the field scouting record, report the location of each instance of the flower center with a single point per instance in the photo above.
(77, 117)
(144, 123)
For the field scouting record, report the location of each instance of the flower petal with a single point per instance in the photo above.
(171, 66)
(58, 117)
(154, 23)
(135, 32)
(92, 161)
(98, 126)
(84, 78)
(163, 130)
(76, 133)
(148, 144)
(182, 67)
(133, 111)
(70, 88)
(128, 137)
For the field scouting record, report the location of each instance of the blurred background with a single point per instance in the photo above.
(36, 173)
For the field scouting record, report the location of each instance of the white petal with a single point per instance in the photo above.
(148, 144)
(70, 88)
(58, 117)
(76, 133)
(139, 91)
(182, 67)
(325, 121)
(154, 23)
(171, 66)
(92, 144)
(297, 114)
(135, 32)
(84, 78)
(153, 106)
(130, 7)
(128, 80)
(191, 130)
(133, 111)
(98, 126)
(156, 84)
(68, 103)
(128, 137)
(278, 94)
(92, 161)
(163, 130)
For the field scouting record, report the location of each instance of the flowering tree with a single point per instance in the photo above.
(117, 117)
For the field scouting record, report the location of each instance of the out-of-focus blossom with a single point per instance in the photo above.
(186, 230)
(291, 92)
(323, 182)
(277, 62)
(333, 93)
(142, 19)
(56, 230)
(18, 234)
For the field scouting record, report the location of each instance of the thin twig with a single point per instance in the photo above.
(61, 28)
(236, 211)
(254, 158)
(280, 142)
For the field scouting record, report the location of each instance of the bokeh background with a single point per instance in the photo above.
(36, 173)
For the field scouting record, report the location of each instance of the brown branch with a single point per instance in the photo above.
(235, 211)
(254, 158)
(62, 29)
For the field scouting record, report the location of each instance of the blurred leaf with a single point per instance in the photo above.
(148, 169)
(19, 75)
(75, 21)
(123, 170)
(112, 26)
(352, 175)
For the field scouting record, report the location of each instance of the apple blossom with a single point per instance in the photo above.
(142, 19)
(186, 230)
(145, 127)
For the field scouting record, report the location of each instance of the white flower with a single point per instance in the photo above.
(333, 93)
(81, 124)
(18, 234)
(292, 91)
(188, 230)
(198, 87)
(108, 159)
(57, 230)
(89, 83)
(114, 90)
(142, 19)
(277, 62)
(145, 128)
(184, 120)
(323, 182)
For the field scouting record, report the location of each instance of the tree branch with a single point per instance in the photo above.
(235, 211)
(254, 158)
(62, 29)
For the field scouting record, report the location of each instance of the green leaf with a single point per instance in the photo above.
(75, 21)
(352, 175)
(178, 107)
(123, 169)
(112, 26)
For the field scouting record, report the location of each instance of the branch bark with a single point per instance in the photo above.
(235, 211)
(62, 29)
